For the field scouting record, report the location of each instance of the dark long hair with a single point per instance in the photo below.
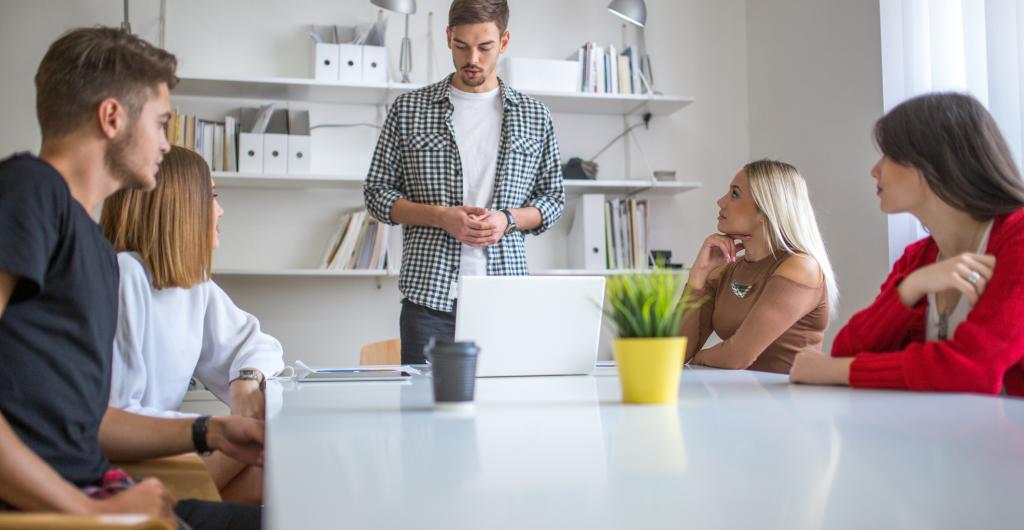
(955, 143)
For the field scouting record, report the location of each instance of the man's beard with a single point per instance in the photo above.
(480, 79)
(117, 160)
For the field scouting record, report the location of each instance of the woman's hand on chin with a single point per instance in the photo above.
(717, 250)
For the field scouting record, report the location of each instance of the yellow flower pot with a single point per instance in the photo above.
(649, 369)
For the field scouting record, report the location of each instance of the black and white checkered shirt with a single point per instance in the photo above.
(417, 159)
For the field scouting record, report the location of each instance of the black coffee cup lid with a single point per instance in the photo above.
(449, 347)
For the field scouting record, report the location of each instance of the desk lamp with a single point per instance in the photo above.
(635, 12)
(404, 7)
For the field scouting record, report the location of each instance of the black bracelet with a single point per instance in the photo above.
(199, 428)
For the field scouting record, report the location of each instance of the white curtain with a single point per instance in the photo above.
(973, 46)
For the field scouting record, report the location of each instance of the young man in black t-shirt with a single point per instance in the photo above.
(102, 98)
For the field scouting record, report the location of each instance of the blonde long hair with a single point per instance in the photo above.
(781, 194)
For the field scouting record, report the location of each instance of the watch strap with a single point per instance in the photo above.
(511, 221)
(199, 429)
(251, 374)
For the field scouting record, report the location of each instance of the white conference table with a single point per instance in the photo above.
(741, 450)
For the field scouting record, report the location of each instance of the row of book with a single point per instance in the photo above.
(603, 70)
(626, 233)
(216, 142)
(360, 243)
(610, 234)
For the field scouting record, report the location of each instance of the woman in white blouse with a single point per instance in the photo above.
(174, 322)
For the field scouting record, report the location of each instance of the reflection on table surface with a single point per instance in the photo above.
(740, 450)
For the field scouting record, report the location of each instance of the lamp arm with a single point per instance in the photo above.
(125, 25)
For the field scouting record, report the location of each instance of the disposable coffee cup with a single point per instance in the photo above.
(453, 367)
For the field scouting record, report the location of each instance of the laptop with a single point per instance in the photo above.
(531, 325)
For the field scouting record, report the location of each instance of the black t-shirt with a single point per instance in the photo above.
(57, 332)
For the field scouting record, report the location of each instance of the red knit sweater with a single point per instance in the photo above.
(987, 349)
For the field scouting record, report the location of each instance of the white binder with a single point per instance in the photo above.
(375, 64)
(299, 157)
(325, 61)
(250, 153)
(586, 237)
(299, 142)
(275, 143)
(350, 63)
(275, 153)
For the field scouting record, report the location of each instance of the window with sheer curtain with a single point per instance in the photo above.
(973, 46)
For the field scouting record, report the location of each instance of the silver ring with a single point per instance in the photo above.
(974, 277)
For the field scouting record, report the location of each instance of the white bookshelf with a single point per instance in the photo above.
(355, 182)
(304, 273)
(277, 225)
(629, 186)
(616, 104)
(290, 89)
(317, 91)
(290, 180)
(586, 272)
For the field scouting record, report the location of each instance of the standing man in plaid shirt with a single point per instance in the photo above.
(468, 166)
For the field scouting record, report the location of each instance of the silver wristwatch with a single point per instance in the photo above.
(511, 222)
(251, 374)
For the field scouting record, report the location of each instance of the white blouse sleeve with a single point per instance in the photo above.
(232, 340)
(128, 377)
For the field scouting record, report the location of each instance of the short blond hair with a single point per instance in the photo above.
(171, 227)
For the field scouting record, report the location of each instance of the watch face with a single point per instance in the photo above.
(511, 221)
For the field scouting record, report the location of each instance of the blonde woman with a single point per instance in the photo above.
(766, 278)
(173, 321)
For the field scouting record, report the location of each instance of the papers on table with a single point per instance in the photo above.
(301, 372)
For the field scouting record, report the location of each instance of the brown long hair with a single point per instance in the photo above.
(171, 227)
(86, 66)
(956, 144)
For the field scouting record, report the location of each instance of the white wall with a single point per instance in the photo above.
(698, 49)
(27, 27)
(815, 87)
(798, 80)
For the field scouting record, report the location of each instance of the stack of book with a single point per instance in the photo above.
(609, 234)
(360, 243)
(603, 70)
(216, 142)
(626, 233)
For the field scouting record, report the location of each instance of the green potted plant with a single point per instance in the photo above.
(646, 310)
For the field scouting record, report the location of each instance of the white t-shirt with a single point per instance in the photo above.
(165, 336)
(477, 123)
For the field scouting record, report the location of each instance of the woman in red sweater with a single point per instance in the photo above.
(950, 316)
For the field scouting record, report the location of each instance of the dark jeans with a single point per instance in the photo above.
(417, 324)
(203, 515)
